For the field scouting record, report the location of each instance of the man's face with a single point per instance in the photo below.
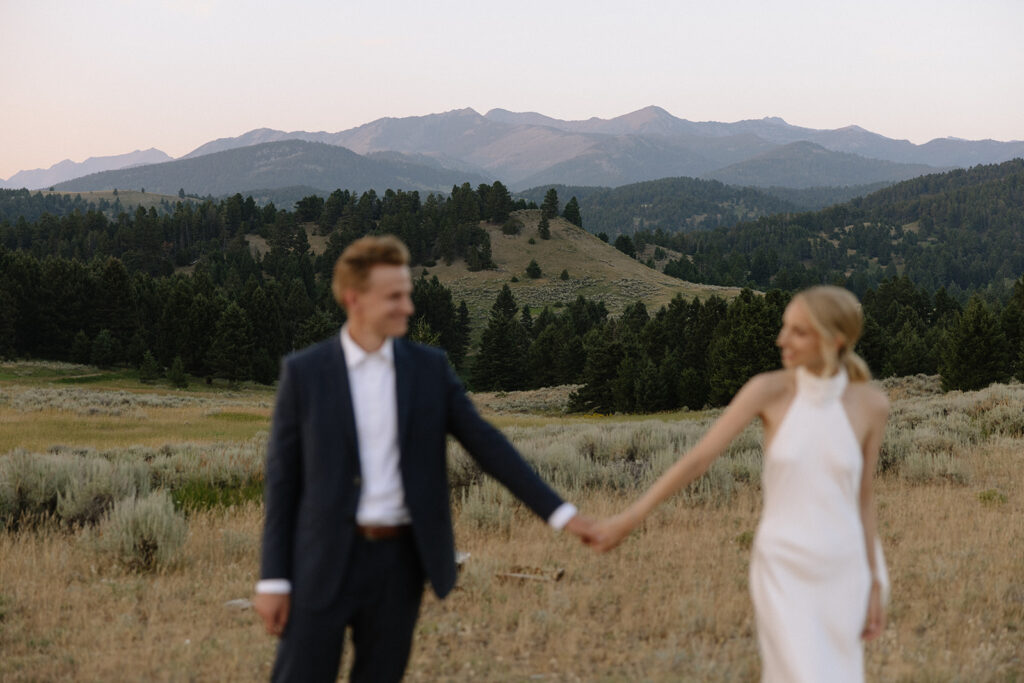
(385, 305)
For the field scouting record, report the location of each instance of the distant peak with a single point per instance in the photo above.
(776, 120)
(650, 111)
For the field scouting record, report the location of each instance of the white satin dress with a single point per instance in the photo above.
(809, 574)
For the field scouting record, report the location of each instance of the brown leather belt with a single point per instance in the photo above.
(382, 533)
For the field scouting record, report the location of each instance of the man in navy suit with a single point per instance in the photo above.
(357, 501)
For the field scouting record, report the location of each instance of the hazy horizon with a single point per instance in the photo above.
(124, 75)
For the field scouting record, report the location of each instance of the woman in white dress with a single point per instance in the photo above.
(817, 575)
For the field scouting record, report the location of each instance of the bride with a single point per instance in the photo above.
(817, 574)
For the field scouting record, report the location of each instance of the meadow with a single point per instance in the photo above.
(82, 451)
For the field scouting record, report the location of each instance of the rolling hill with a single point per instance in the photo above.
(596, 270)
(806, 164)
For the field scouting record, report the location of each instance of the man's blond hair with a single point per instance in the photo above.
(352, 269)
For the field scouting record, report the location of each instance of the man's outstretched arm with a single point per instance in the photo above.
(499, 458)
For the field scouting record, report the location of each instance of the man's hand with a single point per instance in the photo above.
(608, 533)
(580, 526)
(273, 609)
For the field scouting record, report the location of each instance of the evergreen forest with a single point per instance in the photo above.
(937, 262)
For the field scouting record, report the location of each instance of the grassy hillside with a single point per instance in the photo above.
(596, 270)
(129, 198)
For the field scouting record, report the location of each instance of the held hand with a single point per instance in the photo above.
(874, 623)
(582, 527)
(273, 609)
(608, 533)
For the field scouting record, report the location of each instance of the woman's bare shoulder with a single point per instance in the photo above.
(873, 398)
(772, 383)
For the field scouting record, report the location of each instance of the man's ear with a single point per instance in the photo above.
(349, 296)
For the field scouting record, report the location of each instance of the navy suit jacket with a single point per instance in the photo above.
(313, 475)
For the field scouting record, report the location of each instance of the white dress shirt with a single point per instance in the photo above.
(371, 381)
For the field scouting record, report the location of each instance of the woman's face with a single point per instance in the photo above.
(798, 341)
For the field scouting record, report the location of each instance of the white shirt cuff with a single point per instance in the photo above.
(561, 516)
(274, 586)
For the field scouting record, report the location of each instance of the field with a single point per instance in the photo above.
(670, 604)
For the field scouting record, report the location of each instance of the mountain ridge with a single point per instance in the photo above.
(272, 165)
(524, 149)
(40, 178)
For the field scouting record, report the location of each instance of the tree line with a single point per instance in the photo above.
(156, 242)
(231, 318)
(694, 353)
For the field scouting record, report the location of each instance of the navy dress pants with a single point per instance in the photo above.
(379, 599)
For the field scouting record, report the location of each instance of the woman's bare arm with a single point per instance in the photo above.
(745, 406)
(878, 407)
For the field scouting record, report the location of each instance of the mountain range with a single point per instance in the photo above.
(40, 178)
(527, 149)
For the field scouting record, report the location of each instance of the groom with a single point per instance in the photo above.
(357, 509)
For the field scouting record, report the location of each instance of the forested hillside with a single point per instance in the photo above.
(184, 289)
(670, 204)
(962, 230)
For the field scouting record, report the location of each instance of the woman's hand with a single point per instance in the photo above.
(874, 624)
(608, 533)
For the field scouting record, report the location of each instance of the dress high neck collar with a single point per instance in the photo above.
(820, 389)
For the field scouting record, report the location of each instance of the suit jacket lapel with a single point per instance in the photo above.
(340, 399)
(404, 380)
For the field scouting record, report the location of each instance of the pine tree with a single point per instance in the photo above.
(81, 348)
(976, 353)
(526, 320)
(743, 346)
(230, 354)
(571, 213)
(457, 354)
(549, 207)
(533, 270)
(498, 203)
(600, 371)
(624, 244)
(104, 349)
(149, 371)
(544, 228)
(501, 361)
(317, 327)
(176, 374)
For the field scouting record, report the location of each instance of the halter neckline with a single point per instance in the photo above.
(820, 389)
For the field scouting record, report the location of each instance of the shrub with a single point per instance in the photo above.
(513, 226)
(96, 485)
(70, 487)
(564, 275)
(143, 534)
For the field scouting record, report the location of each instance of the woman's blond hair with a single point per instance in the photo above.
(836, 315)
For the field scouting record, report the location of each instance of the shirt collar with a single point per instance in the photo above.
(355, 355)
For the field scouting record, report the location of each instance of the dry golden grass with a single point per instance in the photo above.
(597, 271)
(670, 604)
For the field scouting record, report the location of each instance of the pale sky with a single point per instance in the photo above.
(81, 79)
